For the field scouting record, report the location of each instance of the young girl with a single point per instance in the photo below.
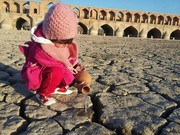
(52, 55)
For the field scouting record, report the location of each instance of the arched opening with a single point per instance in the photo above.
(22, 24)
(82, 29)
(49, 5)
(26, 8)
(6, 7)
(175, 21)
(112, 16)
(154, 33)
(144, 18)
(101, 31)
(94, 14)
(86, 14)
(152, 19)
(77, 12)
(160, 20)
(105, 30)
(120, 16)
(17, 7)
(169, 20)
(136, 18)
(130, 32)
(103, 15)
(128, 17)
(175, 35)
(35, 11)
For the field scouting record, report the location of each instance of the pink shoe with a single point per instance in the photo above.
(45, 100)
(64, 91)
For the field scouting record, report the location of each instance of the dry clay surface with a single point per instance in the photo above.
(135, 90)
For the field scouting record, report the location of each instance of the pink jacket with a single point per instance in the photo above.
(38, 59)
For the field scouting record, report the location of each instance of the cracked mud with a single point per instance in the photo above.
(135, 90)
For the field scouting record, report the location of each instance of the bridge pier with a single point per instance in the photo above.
(143, 35)
(166, 36)
(6, 24)
(119, 33)
(93, 31)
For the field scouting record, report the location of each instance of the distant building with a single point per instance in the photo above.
(22, 15)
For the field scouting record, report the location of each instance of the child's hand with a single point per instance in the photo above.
(79, 68)
(73, 70)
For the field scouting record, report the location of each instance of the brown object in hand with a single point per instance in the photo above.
(83, 76)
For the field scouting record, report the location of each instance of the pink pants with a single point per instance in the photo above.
(53, 77)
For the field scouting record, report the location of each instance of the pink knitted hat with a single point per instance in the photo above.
(60, 22)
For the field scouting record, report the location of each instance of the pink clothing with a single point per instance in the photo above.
(36, 62)
(67, 55)
(60, 22)
(53, 78)
(39, 62)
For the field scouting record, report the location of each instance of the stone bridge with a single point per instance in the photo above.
(21, 14)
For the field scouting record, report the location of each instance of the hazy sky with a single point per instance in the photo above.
(159, 6)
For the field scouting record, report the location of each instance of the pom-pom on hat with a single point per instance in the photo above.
(60, 22)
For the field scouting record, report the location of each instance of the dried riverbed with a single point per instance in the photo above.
(136, 90)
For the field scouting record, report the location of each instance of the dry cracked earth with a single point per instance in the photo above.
(135, 90)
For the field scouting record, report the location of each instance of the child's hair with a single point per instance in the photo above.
(66, 41)
(60, 23)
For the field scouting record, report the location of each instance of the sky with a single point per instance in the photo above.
(158, 6)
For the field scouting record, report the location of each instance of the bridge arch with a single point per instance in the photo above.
(153, 19)
(82, 29)
(105, 30)
(154, 33)
(128, 17)
(136, 18)
(103, 15)
(94, 14)
(130, 32)
(21, 23)
(35, 10)
(101, 31)
(49, 5)
(26, 7)
(17, 7)
(76, 11)
(175, 21)
(160, 20)
(120, 16)
(85, 13)
(112, 16)
(175, 35)
(6, 7)
(144, 18)
(169, 20)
